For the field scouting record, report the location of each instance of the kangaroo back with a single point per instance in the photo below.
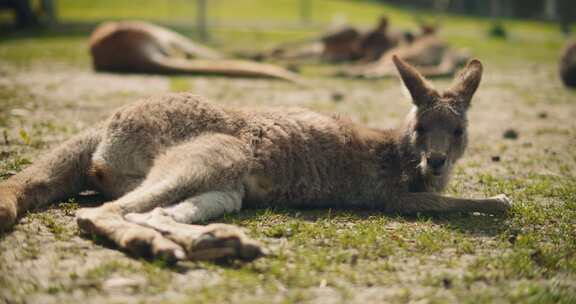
(145, 48)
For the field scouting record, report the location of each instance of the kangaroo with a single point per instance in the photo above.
(430, 54)
(377, 41)
(139, 47)
(350, 44)
(341, 45)
(568, 65)
(170, 161)
(346, 44)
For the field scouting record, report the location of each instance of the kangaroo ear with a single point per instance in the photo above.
(421, 91)
(468, 81)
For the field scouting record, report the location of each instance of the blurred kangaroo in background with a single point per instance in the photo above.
(568, 65)
(431, 55)
(140, 47)
(170, 161)
(345, 44)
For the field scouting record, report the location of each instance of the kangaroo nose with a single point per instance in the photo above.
(436, 161)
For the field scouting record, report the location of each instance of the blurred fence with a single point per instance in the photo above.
(536, 9)
(288, 14)
(301, 11)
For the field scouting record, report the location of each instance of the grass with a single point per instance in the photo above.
(256, 24)
(327, 255)
(180, 84)
(223, 12)
(338, 248)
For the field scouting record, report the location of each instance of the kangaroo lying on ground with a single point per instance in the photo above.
(431, 55)
(171, 161)
(346, 44)
(139, 47)
(350, 44)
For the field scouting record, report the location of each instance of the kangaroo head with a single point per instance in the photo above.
(436, 129)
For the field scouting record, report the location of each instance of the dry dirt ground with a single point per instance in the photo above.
(318, 256)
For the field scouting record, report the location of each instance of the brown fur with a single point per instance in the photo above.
(378, 41)
(350, 44)
(346, 44)
(568, 65)
(178, 158)
(139, 47)
(341, 45)
(429, 53)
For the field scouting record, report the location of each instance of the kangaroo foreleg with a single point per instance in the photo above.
(412, 203)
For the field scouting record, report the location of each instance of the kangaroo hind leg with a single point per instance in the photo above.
(212, 161)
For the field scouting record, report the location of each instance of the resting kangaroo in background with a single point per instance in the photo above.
(175, 160)
(568, 65)
(430, 54)
(139, 47)
(346, 44)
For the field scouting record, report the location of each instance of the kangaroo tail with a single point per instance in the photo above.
(229, 67)
(60, 174)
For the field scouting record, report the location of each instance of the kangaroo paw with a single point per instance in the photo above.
(503, 203)
(215, 241)
(136, 239)
(142, 241)
(223, 241)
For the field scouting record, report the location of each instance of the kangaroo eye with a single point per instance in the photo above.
(420, 129)
(458, 132)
